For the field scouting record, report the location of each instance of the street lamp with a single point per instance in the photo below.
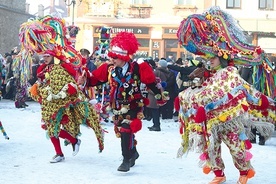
(72, 2)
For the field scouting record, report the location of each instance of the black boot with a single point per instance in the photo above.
(124, 167)
(253, 140)
(254, 131)
(133, 158)
(157, 129)
(261, 140)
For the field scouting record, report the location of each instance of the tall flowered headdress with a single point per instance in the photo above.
(46, 34)
(216, 33)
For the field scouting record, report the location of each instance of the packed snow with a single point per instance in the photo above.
(25, 157)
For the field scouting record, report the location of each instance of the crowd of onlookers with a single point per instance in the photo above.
(174, 76)
(9, 79)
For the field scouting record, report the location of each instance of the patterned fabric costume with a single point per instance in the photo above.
(225, 106)
(126, 99)
(64, 106)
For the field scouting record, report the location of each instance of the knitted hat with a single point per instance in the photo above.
(123, 45)
(163, 63)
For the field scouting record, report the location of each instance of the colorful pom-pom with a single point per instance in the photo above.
(164, 84)
(245, 107)
(136, 125)
(206, 169)
(200, 115)
(222, 118)
(203, 156)
(250, 173)
(248, 156)
(248, 144)
(242, 136)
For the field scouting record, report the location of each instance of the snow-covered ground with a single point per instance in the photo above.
(24, 159)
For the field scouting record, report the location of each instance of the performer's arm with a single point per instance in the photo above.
(99, 76)
(148, 77)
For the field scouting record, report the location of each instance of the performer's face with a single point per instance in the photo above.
(118, 62)
(214, 62)
(47, 59)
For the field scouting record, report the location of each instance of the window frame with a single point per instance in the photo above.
(135, 2)
(234, 6)
(266, 3)
(185, 3)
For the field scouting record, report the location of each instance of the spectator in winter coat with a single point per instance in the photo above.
(168, 77)
(89, 62)
(35, 66)
(184, 72)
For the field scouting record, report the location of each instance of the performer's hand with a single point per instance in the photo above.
(81, 80)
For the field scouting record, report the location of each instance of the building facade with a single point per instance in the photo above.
(12, 15)
(155, 23)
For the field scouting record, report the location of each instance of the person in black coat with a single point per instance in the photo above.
(184, 73)
(169, 78)
(35, 66)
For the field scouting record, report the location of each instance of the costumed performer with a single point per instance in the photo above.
(225, 106)
(126, 100)
(64, 106)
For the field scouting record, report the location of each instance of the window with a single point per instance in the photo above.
(235, 4)
(171, 44)
(140, 1)
(184, 2)
(266, 4)
(143, 42)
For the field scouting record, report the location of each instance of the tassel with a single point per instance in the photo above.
(146, 101)
(245, 107)
(250, 173)
(265, 113)
(242, 136)
(229, 96)
(33, 90)
(200, 115)
(248, 144)
(248, 156)
(206, 169)
(71, 90)
(181, 131)
(222, 118)
(177, 104)
(263, 103)
(203, 156)
(210, 106)
(135, 125)
(164, 84)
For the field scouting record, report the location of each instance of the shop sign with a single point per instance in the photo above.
(170, 30)
(135, 30)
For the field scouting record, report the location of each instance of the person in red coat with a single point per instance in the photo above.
(126, 99)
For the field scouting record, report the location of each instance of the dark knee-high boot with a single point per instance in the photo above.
(135, 155)
(126, 137)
